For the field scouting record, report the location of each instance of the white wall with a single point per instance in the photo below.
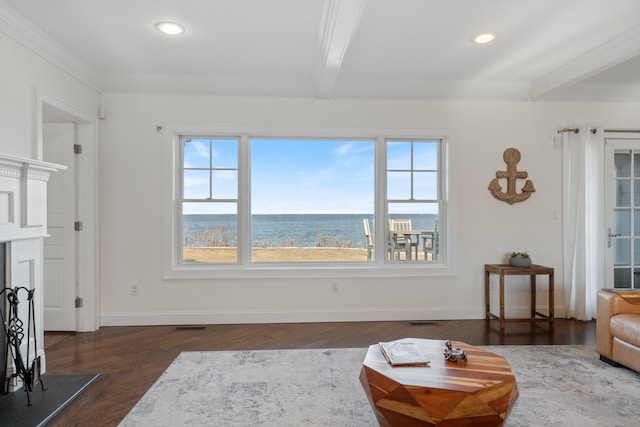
(23, 75)
(27, 80)
(130, 196)
(130, 200)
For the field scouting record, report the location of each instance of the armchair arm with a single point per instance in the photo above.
(609, 304)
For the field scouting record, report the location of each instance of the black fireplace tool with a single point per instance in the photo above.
(28, 372)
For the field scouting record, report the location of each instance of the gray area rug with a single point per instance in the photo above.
(559, 386)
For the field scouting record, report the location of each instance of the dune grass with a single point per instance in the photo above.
(229, 255)
(217, 246)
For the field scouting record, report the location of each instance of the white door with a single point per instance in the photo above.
(60, 248)
(622, 212)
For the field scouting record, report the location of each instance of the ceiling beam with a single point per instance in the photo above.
(339, 22)
(613, 52)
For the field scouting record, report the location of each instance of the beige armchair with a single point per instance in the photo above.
(618, 327)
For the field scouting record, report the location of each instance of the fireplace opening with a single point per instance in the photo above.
(3, 339)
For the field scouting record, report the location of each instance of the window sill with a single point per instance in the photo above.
(305, 271)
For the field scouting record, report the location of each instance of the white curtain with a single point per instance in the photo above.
(582, 224)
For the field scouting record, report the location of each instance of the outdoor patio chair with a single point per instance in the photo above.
(368, 238)
(430, 244)
(397, 242)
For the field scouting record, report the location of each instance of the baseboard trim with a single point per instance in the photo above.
(182, 318)
(298, 316)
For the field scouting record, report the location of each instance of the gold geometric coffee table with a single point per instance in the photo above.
(478, 392)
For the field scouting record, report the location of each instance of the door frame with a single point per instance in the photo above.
(611, 140)
(86, 201)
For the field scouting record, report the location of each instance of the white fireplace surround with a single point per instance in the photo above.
(23, 226)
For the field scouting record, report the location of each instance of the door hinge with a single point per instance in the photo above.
(77, 226)
(77, 149)
(78, 302)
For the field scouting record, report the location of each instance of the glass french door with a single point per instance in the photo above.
(622, 213)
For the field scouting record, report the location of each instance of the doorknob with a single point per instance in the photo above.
(610, 237)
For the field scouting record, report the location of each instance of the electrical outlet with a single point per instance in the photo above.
(134, 290)
(335, 287)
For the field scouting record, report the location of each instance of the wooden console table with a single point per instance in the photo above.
(508, 270)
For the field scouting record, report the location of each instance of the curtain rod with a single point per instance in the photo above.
(575, 130)
(594, 130)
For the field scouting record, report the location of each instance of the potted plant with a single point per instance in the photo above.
(519, 259)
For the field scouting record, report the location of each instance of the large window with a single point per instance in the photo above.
(245, 202)
(309, 198)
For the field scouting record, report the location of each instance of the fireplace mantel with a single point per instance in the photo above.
(23, 226)
(23, 197)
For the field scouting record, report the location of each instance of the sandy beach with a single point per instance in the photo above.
(226, 255)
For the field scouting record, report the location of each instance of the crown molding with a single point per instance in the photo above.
(26, 34)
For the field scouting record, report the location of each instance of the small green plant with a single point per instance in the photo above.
(519, 255)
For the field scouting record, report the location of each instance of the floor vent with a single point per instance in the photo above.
(190, 328)
(424, 322)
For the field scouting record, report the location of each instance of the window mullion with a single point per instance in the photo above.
(632, 204)
(178, 207)
(380, 203)
(412, 173)
(211, 169)
(244, 200)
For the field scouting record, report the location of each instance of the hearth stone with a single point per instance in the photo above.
(61, 390)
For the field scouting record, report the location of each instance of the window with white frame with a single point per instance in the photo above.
(209, 199)
(311, 202)
(414, 199)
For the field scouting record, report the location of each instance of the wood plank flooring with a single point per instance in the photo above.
(130, 359)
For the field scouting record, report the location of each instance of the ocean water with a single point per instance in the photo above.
(302, 230)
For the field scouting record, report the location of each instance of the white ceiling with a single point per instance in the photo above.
(546, 49)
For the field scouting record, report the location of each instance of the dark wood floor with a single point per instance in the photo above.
(130, 359)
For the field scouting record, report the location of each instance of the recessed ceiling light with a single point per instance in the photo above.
(484, 38)
(170, 28)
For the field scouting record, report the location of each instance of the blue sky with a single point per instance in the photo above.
(303, 176)
(312, 176)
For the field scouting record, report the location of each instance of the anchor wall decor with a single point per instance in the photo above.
(511, 157)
